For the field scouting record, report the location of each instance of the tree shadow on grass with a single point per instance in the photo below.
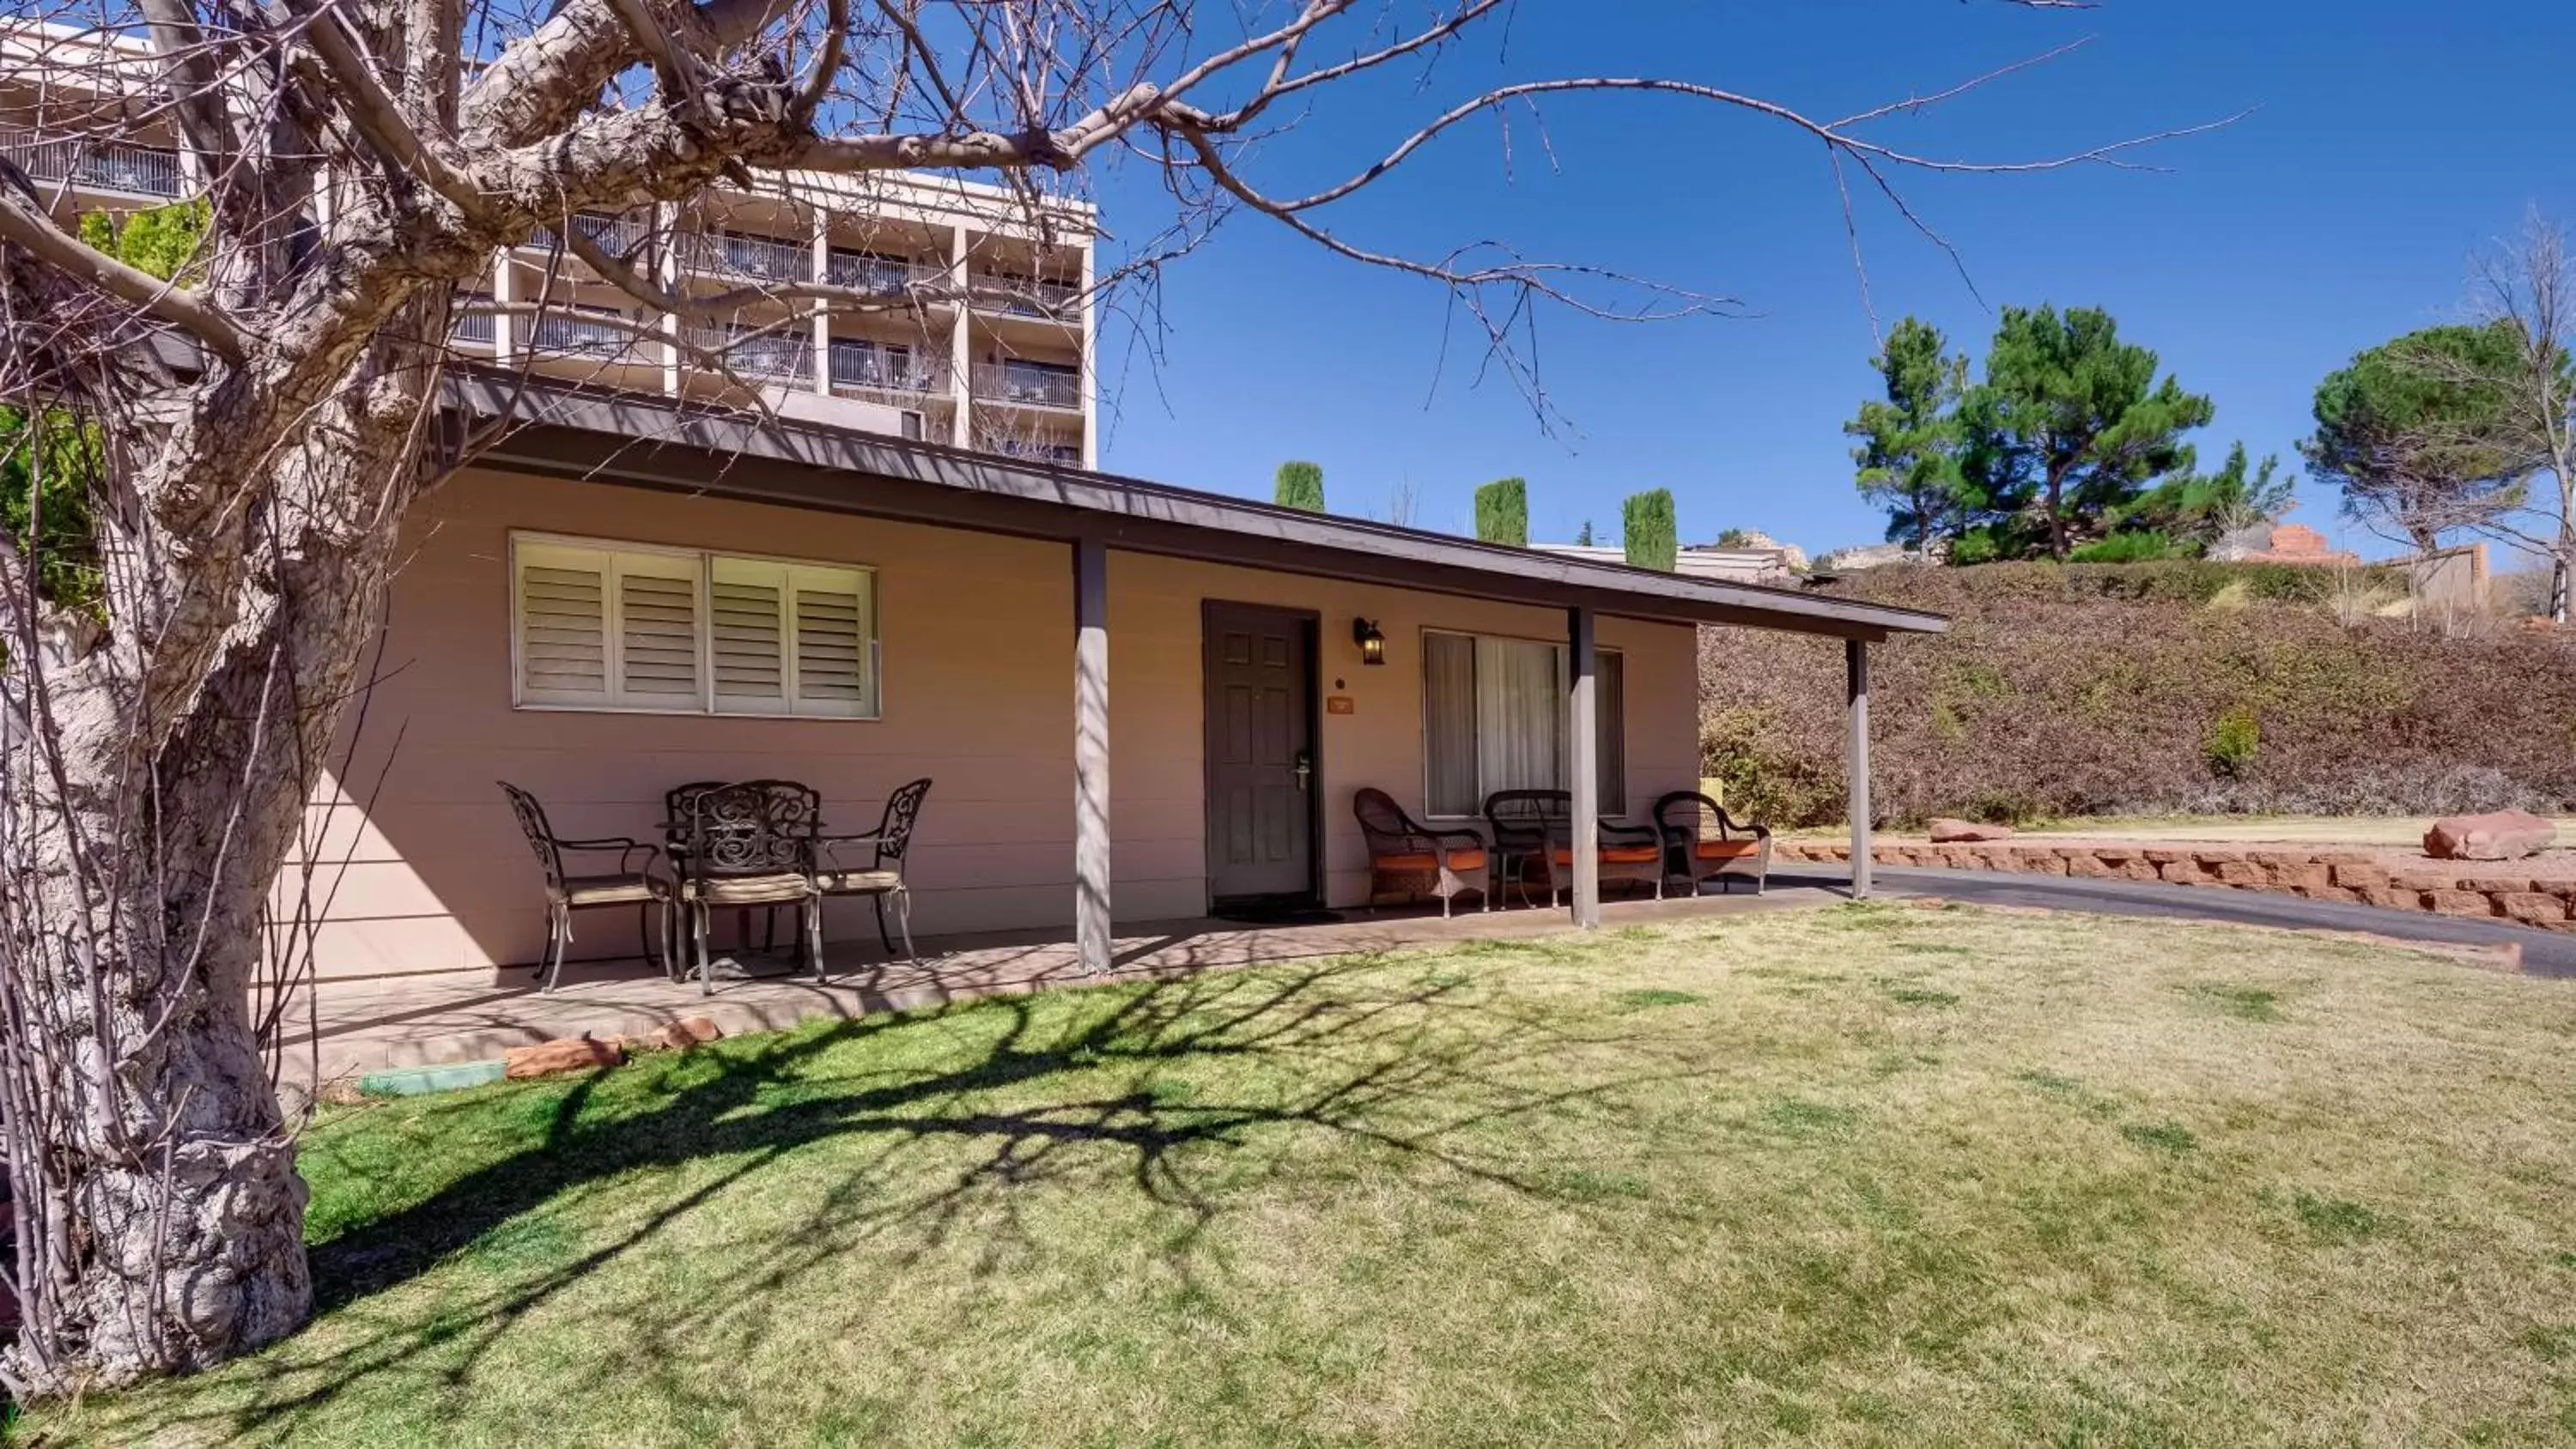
(1414, 1068)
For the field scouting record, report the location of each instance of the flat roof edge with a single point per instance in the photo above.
(626, 420)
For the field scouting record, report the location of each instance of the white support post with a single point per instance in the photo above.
(1090, 368)
(1584, 757)
(505, 328)
(1856, 762)
(666, 222)
(1091, 929)
(822, 308)
(960, 345)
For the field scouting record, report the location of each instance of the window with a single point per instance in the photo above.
(1494, 718)
(620, 626)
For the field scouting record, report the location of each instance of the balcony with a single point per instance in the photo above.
(1029, 385)
(869, 367)
(472, 329)
(570, 334)
(1024, 297)
(887, 276)
(623, 237)
(735, 254)
(779, 356)
(1036, 450)
(96, 165)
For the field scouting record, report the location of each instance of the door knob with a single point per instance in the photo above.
(1305, 768)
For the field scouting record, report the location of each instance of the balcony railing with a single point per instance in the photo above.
(1034, 449)
(865, 367)
(619, 236)
(1024, 296)
(472, 329)
(1014, 382)
(891, 276)
(747, 256)
(761, 357)
(101, 165)
(569, 334)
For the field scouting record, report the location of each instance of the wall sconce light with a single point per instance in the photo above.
(1372, 643)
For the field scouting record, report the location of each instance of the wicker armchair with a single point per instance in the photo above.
(1534, 839)
(1410, 859)
(750, 847)
(1692, 854)
(882, 877)
(633, 883)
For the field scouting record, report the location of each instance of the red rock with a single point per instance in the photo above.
(2531, 906)
(2241, 873)
(564, 1054)
(2361, 875)
(2459, 903)
(2497, 835)
(2088, 867)
(1946, 831)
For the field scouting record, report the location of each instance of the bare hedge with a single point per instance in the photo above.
(2145, 689)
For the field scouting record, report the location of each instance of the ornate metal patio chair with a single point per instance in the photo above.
(1410, 859)
(1693, 854)
(751, 846)
(882, 877)
(1534, 840)
(632, 883)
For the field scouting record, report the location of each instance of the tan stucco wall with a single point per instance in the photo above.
(424, 869)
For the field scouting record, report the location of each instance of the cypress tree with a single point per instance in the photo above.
(1502, 512)
(1652, 539)
(1301, 485)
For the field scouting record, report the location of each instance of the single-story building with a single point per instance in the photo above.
(1134, 701)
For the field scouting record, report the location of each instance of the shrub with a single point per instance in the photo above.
(1502, 512)
(1652, 538)
(1301, 485)
(2081, 689)
(2232, 742)
(2147, 546)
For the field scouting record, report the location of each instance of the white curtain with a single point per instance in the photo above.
(1449, 725)
(1519, 713)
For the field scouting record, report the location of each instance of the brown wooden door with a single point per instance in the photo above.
(1261, 768)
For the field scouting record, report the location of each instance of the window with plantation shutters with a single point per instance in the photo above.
(616, 626)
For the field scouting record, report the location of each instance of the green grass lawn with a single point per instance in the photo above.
(1866, 1175)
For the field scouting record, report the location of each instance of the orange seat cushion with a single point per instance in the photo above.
(1619, 855)
(1727, 849)
(1425, 860)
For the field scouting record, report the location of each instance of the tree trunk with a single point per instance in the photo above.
(160, 1219)
(2056, 515)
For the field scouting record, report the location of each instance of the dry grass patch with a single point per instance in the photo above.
(1859, 1176)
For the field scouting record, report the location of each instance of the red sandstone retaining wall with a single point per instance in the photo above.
(2357, 876)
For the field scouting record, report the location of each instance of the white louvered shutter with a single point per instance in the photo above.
(657, 632)
(563, 625)
(835, 628)
(749, 605)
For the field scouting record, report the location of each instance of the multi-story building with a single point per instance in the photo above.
(974, 327)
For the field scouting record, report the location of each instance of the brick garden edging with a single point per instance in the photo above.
(2359, 877)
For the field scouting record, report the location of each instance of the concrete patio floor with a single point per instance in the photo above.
(356, 1027)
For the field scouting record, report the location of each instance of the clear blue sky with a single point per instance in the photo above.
(2392, 138)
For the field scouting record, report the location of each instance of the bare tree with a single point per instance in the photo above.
(266, 419)
(2526, 289)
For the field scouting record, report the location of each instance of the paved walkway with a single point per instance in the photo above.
(2543, 953)
(366, 1026)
